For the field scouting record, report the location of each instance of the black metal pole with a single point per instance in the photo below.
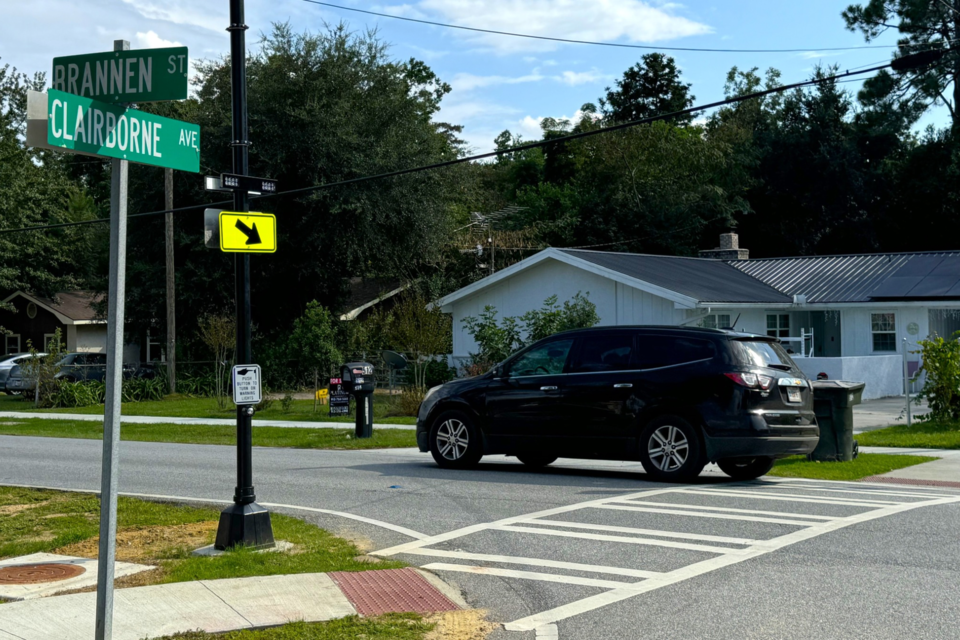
(245, 522)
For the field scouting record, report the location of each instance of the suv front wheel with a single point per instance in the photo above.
(746, 468)
(455, 441)
(670, 449)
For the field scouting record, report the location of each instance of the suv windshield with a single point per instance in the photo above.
(760, 353)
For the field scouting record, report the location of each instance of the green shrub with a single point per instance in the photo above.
(498, 340)
(941, 389)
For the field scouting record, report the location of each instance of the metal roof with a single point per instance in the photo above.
(705, 280)
(858, 278)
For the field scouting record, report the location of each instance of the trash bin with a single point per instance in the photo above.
(358, 379)
(833, 402)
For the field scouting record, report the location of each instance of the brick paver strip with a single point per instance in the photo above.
(374, 593)
(914, 481)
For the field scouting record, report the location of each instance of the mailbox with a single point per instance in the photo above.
(359, 381)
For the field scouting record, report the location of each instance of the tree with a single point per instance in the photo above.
(219, 333)
(423, 331)
(314, 342)
(649, 88)
(498, 340)
(923, 25)
(324, 108)
(35, 189)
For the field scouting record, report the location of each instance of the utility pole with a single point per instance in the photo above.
(171, 284)
(110, 472)
(245, 522)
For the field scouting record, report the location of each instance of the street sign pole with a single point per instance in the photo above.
(109, 477)
(245, 522)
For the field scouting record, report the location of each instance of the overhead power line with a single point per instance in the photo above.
(590, 42)
(923, 58)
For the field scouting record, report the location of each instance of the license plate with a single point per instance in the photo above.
(793, 394)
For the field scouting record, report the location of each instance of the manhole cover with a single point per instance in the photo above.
(39, 573)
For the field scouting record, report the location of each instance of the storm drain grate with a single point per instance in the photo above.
(39, 573)
(914, 482)
(391, 590)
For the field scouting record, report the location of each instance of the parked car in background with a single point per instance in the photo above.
(87, 367)
(7, 363)
(672, 398)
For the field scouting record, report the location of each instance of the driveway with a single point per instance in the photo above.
(884, 412)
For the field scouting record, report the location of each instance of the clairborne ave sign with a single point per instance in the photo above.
(92, 127)
(142, 75)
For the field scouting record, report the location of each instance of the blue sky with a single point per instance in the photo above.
(498, 82)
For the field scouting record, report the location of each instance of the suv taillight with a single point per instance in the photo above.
(751, 380)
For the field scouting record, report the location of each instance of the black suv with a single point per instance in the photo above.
(674, 398)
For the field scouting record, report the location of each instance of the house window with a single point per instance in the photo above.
(31, 310)
(13, 343)
(778, 325)
(154, 349)
(716, 321)
(47, 339)
(884, 327)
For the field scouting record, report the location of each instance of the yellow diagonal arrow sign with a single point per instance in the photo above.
(248, 232)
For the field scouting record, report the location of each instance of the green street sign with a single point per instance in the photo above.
(142, 75)
(88, 126)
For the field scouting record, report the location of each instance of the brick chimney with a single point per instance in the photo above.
(729, 249)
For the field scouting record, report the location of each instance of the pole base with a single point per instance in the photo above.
(247, 525)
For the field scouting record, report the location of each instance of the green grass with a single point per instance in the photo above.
(187, 407)
(394, 626)
(866, 465)
(202, 434)
(922, 435)
(56, 519)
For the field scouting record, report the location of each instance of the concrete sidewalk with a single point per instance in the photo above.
(225, 605)
(213, 422)
(942, 472)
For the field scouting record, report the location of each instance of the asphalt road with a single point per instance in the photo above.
(592, 550)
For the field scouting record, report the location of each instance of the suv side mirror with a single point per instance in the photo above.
(499, 371)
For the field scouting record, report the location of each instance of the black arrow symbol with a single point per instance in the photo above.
(253, 236)
(243, 372)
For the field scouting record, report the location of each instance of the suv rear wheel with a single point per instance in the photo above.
(746, 468)
(670, 449)
(455, 441)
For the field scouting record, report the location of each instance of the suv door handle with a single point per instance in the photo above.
(625, 385)
(548, 388)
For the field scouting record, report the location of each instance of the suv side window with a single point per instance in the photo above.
(605, 352)
(97, 358)
(654, 352)
(545, 360)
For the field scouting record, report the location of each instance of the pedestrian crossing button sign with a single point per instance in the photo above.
(246, 384)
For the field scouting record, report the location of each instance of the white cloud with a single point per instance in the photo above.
(530, 127)
(150, 40)
(464, 82)
(812, 55)
(601, 20)
(185, 12)
(575, 78)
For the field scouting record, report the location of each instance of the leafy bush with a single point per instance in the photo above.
(286, 403)
(203, 385)
(408, 402)
(84, 394)
(941, 389)
(78, 394)
(437, 372)
(144, 389)
(498, 340)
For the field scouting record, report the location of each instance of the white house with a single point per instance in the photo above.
(846, 316)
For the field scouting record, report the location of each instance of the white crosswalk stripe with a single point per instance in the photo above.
(584, 522)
